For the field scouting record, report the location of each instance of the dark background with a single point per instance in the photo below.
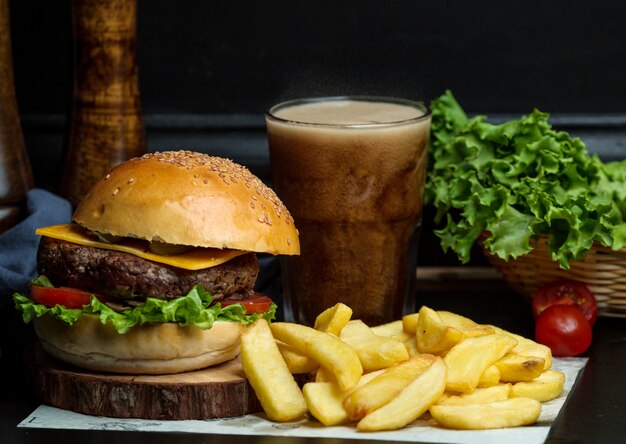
(238, 57)
(209, 69)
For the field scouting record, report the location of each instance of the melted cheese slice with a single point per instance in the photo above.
(195, 259)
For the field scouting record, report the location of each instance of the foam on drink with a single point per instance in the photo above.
(348, 112)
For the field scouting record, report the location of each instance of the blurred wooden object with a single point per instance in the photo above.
(16, 177)
(106, 126)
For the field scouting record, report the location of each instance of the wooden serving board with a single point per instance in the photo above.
(216, 392)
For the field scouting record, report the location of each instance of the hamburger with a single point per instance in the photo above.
(156, 272)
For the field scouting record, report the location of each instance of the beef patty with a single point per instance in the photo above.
(125, 276)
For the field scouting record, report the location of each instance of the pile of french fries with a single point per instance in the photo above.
(464, 375)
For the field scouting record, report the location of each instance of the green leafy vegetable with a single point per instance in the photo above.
(192, 309)
(519, 180)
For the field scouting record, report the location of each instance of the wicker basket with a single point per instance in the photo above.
(603, 270)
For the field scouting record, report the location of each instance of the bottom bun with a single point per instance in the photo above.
(146, 349)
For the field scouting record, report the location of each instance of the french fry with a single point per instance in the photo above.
(528, 347)
(516, 368)
(468, 360)
(325, 348)
(410, 403)
(333, 319)
(545, 387)
(268, 374)
(490, 377)
(438, 331)
(472, 377)
(486, 395)
(324, 375)
(479, 330)
(385, 387)
(325, 399)
(392, 330)
(511, 412)
(409, 323)
(297, 363)
(325, 402)
(465, 325)
(456, 320)
(432, 335)
(411, 346)
(375, 352)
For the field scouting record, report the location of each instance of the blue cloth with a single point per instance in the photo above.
(18, 245)
(18, 262)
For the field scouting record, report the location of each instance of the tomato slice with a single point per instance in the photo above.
(564, 329)
(64, 296)
(566, 292)
(256, 304)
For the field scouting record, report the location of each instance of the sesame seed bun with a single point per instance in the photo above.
(149, 349)
(188, 198)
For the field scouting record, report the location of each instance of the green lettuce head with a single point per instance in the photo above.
(518, 180)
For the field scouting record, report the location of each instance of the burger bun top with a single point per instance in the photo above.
(192, 199)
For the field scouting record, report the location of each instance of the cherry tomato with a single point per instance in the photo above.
(255, 304)
(65, 296)
(564, 329)
(566, 292)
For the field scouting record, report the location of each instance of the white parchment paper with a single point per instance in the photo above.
(47, 417)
